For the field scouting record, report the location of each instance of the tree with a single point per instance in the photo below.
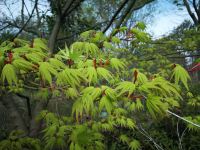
(106, 96)
(193, 9)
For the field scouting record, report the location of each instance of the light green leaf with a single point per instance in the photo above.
(8, 74)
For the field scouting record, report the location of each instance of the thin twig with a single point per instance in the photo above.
(177, 130)
(143, 132)
(188, 121)
(26, 21)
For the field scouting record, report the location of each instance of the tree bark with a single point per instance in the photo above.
(35, 125)
(54, 33)
(22, 12)
(192, 15)
(196, 9)
(62, 13)
(17, 121)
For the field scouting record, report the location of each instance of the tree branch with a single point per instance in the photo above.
(22, 12)
(127, 11)
(196, 9)
(36, 1)
(192, 15)
(33, 31)
(28, 104)
(115, 15)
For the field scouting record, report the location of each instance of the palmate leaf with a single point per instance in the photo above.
(35, 57)
(84, 136)
(196, 120)
(88, 98)
(124, 138)
(180, 75)
(172, 102)
(130, 123)
(22, 64)
(107, 126)
(46, 71)
(117, 64)
(132, 107)
(155, 106)
(86, 102)
(20, 42)
(116, 40)
(140, 77)
(72, 77)
(161, 86)
(87, 34)
(121, 121)
(8, 46)
(2, 58)
(8, 74)
(85, 47)
(77, 46)
(40, 44)
(119, 111)
(78, 109)
(125, 87)
(107, 45)
(166, 88)
(71, 93)
(140, 35)
(91, 75)
(67, 53)
(16, 141)
(56, 63)
(91, 49)
(138, 104)
(109, 92)
(141, 25)
(106, 103)
(104, 73)
(134, 145)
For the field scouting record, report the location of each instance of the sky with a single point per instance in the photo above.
(167, 16)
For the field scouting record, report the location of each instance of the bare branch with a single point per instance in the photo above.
(192, 15)
(22, 12)
(115, 15)
(26, 21)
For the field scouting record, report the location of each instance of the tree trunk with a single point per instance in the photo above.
(54, 34)
(16, 119)
(35, 125)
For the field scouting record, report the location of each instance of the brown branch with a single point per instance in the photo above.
(127, 11)
(192, 15)
(22, 11)
(115, 15)
(4, 27)
(76, 6)
(27, 102)
(66, 8)
(33, 31)
(26, 21)
(196, 9)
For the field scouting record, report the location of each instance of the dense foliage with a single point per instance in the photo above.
(109, 101)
